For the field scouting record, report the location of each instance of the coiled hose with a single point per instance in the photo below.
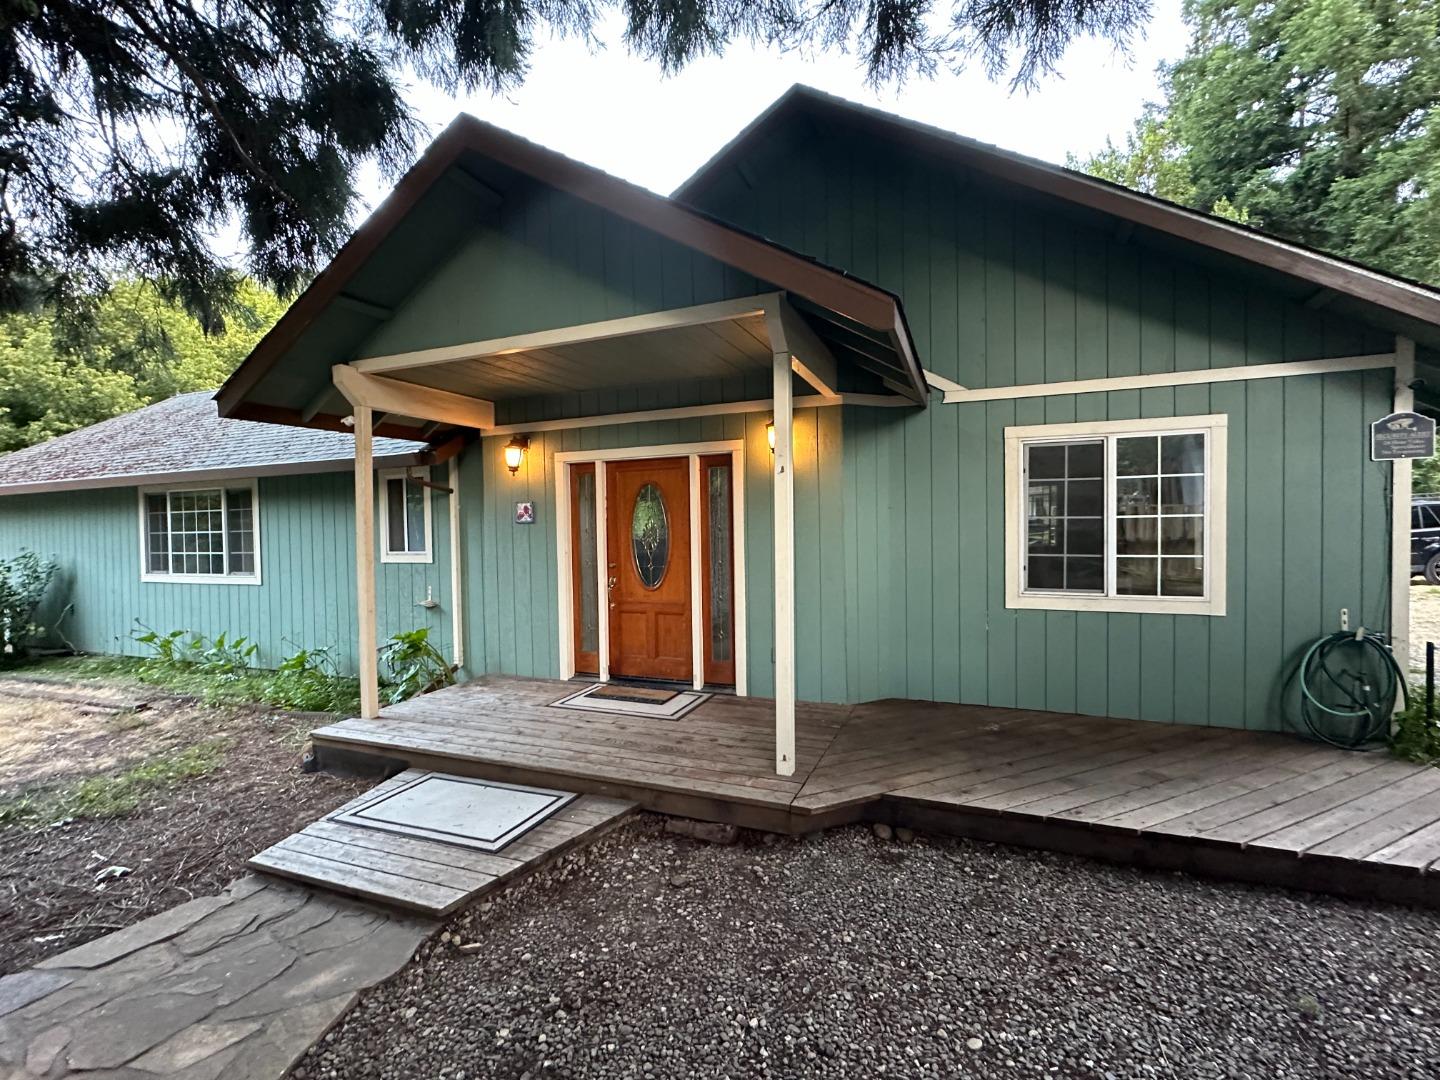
(1348, 683)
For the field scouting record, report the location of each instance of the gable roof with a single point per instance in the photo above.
(180, 440)
(834, 290)
(1413, 308)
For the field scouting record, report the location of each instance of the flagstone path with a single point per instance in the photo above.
(228, 987)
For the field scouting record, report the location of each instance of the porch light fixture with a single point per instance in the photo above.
(515, 453)
(770, 435)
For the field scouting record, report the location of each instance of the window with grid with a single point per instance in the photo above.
(1117, 516)
(200, 533)
(404, 518)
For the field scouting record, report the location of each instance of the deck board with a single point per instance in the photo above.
(428, 876)
(1036, 777)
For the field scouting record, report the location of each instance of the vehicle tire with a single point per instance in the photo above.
(1432, 569)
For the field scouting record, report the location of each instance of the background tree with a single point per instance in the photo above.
(137, 349)
(1320, 118)
(131, 130)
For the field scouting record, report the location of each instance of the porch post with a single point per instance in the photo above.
(365, 561)
(784, 569)
(1400, 475)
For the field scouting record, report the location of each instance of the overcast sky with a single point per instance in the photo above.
(620, 114)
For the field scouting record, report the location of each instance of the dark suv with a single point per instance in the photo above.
(1425, 537)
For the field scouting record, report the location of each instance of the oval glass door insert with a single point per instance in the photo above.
(650, 536)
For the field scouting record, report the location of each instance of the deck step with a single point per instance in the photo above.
(421, 874)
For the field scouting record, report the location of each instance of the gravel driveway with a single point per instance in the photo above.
(843, 955)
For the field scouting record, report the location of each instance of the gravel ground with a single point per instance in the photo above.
(843, 955)
(1424, 622)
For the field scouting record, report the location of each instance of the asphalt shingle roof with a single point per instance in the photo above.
(182, 435)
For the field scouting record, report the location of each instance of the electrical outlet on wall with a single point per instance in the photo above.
(1344, 618)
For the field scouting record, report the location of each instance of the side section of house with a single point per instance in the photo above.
(302, 591)
(1004, 289)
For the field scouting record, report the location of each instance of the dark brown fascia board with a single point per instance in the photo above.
(277, 414)
(866, 304)
(1295, 260)
(200, 476)
(329, 283)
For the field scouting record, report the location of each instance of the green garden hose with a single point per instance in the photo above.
(1348, 684)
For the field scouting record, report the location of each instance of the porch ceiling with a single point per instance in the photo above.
(715, 350)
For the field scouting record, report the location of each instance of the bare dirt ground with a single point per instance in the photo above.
(185, 839)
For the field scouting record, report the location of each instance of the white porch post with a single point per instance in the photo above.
(365, 561)
(1400, 472)
(784, 567)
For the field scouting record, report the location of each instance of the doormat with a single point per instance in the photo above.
(646, 695)
(481, 814)
(633, 701)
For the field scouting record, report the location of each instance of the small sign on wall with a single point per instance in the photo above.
(1402, 435)
(524, 513)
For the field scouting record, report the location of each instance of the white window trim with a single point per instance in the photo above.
(227, 578)
(1216, 430)
(386, 555)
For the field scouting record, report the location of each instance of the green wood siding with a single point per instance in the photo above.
(999, 292)
(1307, 537)
(307, 595)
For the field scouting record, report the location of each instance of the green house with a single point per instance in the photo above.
(863, 410)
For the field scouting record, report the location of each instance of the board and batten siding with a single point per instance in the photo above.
(307, 550)
(1000, 292)
(511, 574)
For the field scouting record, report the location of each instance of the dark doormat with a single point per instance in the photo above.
(654, 702)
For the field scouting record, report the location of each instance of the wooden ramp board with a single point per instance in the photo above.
(421, 874)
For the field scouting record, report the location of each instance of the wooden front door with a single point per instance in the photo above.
(649, 566)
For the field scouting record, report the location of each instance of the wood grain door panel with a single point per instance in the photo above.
(650, 621)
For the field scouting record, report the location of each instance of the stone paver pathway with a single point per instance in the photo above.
(228, 987)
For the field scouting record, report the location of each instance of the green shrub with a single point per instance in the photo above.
(309, 679)
(23, 581)
(1416, 738)
(413, 666)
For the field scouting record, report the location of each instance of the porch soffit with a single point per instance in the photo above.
(718, 350)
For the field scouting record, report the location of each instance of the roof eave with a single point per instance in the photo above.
(865, 303)
(200, 476)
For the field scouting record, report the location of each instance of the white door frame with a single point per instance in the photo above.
(565, 567)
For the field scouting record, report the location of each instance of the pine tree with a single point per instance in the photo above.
(130, 130)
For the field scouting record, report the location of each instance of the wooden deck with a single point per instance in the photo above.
(424, 875)
(1245, 805)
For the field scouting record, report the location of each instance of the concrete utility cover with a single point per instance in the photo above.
(482, 814)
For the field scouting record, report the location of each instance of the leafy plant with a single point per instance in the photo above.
(223, 657)
(413, 666)
(23, 581)
(309, 679)
(1416, 737)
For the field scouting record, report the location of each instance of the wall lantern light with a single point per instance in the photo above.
(515, 453)
(770, 435)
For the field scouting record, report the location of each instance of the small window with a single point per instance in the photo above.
(404, 517)
(1117, 516)
(198, 534)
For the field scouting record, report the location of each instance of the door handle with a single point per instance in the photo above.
(613, 581)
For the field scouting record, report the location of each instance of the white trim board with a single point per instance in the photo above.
(1401, 473)
(1198, 377)
(1216, 427)
(686, 412)
(563, 554)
